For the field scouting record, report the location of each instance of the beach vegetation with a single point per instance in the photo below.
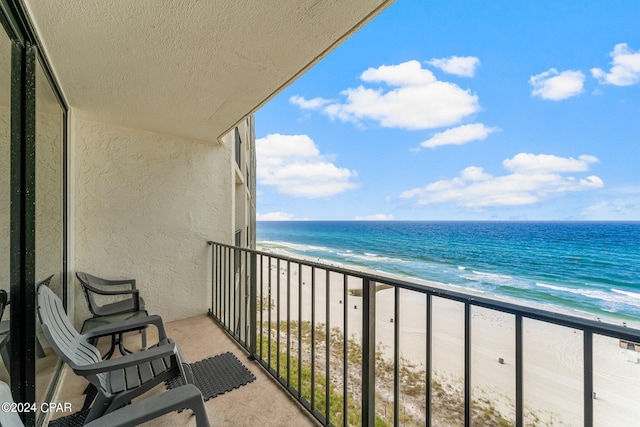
(447, 398)
(266, 304)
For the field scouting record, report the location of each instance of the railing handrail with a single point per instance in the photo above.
(601, 328)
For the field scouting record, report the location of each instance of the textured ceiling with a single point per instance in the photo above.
(192, 68)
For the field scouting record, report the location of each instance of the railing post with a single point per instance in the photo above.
(427, 364)
(213, 278)
(519, 372)
(588, 378)
(368, 353)
(467, 364)
(253, 309)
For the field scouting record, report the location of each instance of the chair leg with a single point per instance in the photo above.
(112, 348)
(124, 350)
(143, 332)
(87, 388)
(39, 350)
(91, 391)
(121, 347)
(99, 408)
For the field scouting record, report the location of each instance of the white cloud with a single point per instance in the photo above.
(411, 98)
(625, 67)
(548, 163)
(533, 179)
(275, 216)
(459, 135)
(463, 66)
(309, 104)
(408, 73)
(294, 166)
(375, 217)
(556, 86)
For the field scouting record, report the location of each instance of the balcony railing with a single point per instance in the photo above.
(361, 349)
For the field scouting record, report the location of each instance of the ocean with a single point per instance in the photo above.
(590, 269)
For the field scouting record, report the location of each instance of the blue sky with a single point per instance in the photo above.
(463, 110)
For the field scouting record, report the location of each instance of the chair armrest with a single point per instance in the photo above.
(135, 294)
(131, 282)
(187, 396)
(128, 326)
(133, 359)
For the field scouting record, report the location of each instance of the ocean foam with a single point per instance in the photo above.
(369, 257)
(294, 246)
(493, 279)
(492, 275)
(616, 297)
(627, 293)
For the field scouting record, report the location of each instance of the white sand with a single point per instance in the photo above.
(553, 366)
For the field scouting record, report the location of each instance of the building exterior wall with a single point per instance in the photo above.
(145, 206)
(242, 172)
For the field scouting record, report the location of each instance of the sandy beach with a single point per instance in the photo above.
(552, 355)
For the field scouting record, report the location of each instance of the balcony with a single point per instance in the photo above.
(413, 355)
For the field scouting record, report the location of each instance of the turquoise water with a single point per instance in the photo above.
(589, 268)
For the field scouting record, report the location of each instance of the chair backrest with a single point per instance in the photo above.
(85, 279)
(63, 337)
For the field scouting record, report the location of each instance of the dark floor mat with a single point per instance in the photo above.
(216, 375)
(74, 420)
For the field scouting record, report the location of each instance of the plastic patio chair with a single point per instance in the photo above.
(130, 307)
(187, 396)
(116, 381)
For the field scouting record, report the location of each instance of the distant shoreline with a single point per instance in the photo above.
(613, 320)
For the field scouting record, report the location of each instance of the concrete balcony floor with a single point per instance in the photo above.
(262, 402)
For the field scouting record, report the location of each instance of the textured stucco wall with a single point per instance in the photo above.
(145, 206)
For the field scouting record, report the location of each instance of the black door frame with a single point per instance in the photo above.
(25, 49)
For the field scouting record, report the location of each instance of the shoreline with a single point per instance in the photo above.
(550, 308)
